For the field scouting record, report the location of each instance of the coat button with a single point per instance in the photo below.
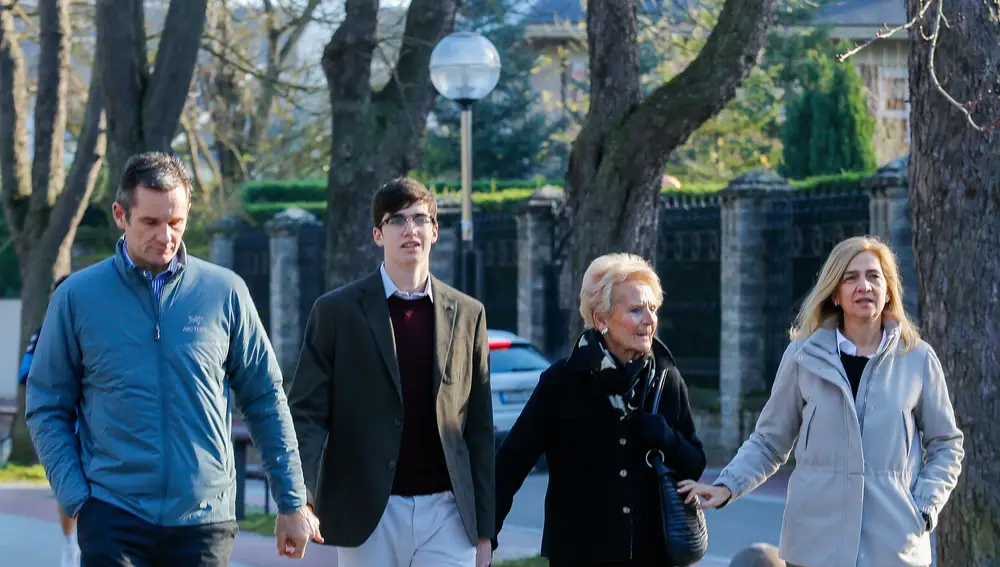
(626, 510)
(392, 465)
(622, 441)
(623, 473)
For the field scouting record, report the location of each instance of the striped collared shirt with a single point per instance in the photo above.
(159, 279)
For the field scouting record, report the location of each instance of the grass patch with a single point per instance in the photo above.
(258, 523)
(20, 473)
(531, 562)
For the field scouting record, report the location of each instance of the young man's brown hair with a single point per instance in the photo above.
(398, 194)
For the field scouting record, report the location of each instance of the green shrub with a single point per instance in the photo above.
(312, 190)
(263, 200)
(260, 213)
(837, 182)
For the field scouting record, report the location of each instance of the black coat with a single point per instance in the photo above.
(601, 504)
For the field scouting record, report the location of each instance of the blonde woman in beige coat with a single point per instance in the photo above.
(863, 403)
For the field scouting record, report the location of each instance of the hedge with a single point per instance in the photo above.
(849, 181)
(263, 199)
(309, 190)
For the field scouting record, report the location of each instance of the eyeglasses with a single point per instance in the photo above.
(399, 221)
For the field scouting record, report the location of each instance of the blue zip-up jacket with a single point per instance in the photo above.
(153, 382)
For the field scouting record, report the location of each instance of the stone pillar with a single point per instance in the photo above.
(535, 233)
(889, 219)
(748, 203)
(286, 282)
(222, 251)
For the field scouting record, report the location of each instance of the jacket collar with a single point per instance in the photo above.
(825, 338)
(128, 268)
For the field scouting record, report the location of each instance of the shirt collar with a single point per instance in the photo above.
(391, 288)
(847, 347)
(171, 268)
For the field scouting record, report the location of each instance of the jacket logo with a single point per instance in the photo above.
(195, 324)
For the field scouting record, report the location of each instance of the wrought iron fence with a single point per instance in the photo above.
(496, 242)
(688, 264)
(819, 221)
(312, 265)
(252, 262)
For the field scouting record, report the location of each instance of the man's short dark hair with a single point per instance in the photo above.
(153, 170)
(58, 282)
(398, 194)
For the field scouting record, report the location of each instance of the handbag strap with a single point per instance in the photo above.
(659, 390)
(655, 457)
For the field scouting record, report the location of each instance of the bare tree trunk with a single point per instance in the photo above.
(143, 106)
(617, 160)
(954, 176)
(43, 210)
(376, 135)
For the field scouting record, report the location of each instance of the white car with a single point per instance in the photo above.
(515, 365)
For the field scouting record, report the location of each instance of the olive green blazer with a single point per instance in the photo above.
(346, 404)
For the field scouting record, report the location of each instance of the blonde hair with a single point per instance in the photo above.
(602, 275)
(818, 306)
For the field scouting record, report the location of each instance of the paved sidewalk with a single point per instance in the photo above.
(30, 535)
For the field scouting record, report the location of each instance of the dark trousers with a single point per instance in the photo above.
(111, 537)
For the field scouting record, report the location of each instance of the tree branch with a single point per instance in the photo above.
(247, 67)
(427, 21)
(15, 168)
(676, 109)
(298, 27)
(47, 174)
(347, 58)
(121, 51)
(939, 21)
(276, 59)
(176, 57)
(886, 31)
(87, 160)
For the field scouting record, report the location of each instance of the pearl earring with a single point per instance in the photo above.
(604, 331)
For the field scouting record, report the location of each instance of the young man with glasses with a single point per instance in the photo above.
(392, 405)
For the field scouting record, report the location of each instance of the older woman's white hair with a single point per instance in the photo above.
(597, 290)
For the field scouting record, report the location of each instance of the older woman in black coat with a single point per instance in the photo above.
(590, 416)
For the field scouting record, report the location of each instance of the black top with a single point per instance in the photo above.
(855, 367)
(601, 504)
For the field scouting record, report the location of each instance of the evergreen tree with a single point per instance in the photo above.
(828, 126)
(511, 137)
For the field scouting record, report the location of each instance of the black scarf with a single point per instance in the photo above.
(626, 384)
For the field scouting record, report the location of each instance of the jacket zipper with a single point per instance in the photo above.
(163, 400)
(866, 378)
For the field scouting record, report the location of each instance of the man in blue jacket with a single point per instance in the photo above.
(149, 347)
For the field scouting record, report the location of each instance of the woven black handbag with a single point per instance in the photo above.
(683, 525)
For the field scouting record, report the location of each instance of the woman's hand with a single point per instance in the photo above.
(714, 496)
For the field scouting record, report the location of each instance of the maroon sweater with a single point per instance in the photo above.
(421, 468)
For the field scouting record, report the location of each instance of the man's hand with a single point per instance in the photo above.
(293, 531)
(484, 553)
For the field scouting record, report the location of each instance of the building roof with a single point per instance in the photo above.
(572, 11)
(836, 12)
(863, 13)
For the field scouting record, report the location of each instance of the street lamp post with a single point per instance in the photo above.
(465, 67)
